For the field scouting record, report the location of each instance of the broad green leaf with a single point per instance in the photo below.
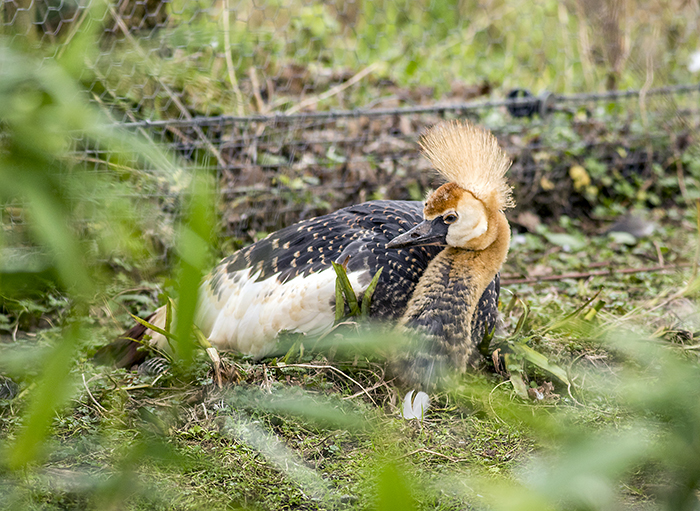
(540, 361)
(566, 241)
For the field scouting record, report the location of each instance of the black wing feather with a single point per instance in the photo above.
(360, 234)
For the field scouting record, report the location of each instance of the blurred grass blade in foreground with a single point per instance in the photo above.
(76, 219)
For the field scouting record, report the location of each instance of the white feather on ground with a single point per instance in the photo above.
(415, 407)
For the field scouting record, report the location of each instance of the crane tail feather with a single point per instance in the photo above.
(124, 351)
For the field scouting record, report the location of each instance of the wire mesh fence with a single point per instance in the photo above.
(302, 107)
(276, 169)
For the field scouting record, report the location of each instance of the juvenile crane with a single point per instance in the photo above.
(440, 260)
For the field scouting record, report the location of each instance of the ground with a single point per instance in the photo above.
(323, 430)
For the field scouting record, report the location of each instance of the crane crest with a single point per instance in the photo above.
(470, 157)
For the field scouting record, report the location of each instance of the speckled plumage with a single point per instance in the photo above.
(285, 282)
(359, 233)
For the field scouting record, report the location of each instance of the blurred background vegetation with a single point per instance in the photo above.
(141, 141)
(210, 55)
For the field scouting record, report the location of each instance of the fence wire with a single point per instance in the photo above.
(274, 170)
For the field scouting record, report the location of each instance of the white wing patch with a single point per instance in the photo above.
(246, 316)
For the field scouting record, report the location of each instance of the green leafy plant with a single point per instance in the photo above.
(344, 293)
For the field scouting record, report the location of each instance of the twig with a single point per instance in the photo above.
(598, 273)
(137, 387)
(262, 108)
(659, 255)
(333, 91)
(313, 366)
(596, 264)
(434, 453)
(180, 135)
(229, 59)
(660, 305)
(363, 391)
(134, 290)
(98, 405)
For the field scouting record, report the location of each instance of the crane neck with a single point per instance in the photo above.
(445, 301)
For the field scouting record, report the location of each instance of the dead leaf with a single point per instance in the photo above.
(580, 177)
(546, 184)
(529, 220)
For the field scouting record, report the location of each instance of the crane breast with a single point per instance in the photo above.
(239, 312)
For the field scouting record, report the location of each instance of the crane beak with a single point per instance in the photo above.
(428, 232)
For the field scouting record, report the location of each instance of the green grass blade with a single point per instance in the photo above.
(200, 337)
(514, 366)
(156, 329)
(522, 320)
(348, 291)
(53, 390)
(169, 306)
(563, 321)
(367, 298)
(594, 310)
(393, 492)
(486, 343)
(193, 251)
(339, 301)
(289, 356)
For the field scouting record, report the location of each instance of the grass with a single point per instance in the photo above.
(322, 430)
(284, 51)
(293, 437)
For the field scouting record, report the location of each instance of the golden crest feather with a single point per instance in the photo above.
(471, 157)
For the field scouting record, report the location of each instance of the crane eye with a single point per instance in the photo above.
(450, 218)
